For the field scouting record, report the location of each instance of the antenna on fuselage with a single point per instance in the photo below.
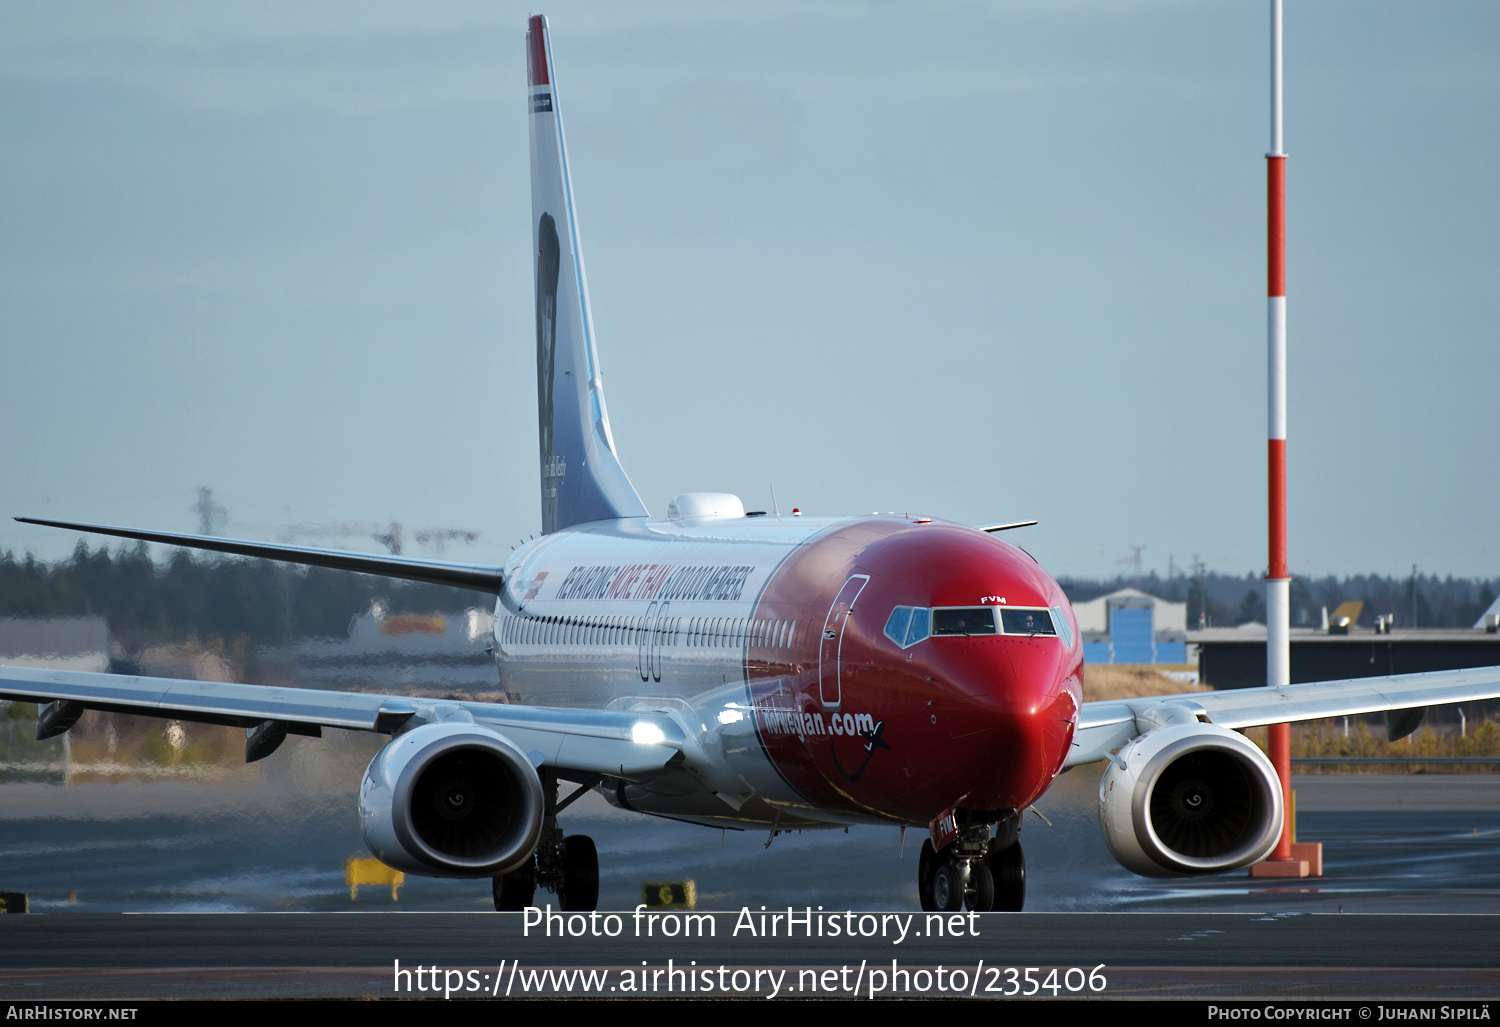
(775, 510)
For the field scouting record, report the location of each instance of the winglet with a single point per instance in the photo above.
(582, 479)
(1007, 527)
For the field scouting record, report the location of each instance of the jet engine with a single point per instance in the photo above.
(451, 800)
(1189, 799)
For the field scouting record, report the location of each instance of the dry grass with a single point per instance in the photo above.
(1106, 681)
(1326, 738)
(1317, 738)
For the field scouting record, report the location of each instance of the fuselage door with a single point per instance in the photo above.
(644, 649)
(659, 639)
(831, 644)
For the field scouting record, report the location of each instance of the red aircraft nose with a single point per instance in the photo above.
(946, 673)
(1004, 714)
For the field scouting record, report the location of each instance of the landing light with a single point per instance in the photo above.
(730, 716)
(645, 733)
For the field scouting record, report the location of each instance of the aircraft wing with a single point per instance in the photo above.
(585, 741)
(1105, 726)
(479, 577)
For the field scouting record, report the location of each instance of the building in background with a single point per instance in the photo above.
(1131, 626)
(394, 653)
(56, 643)
(1236, 657)
(1489, 620)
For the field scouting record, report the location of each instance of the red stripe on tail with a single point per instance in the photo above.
(536, 52)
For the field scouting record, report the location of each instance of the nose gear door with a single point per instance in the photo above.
(831, 644)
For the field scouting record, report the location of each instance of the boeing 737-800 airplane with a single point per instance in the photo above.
(738, 668)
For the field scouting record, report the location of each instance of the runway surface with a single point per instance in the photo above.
(113, 868)
(275, 840)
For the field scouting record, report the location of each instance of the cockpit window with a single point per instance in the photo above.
(908, 625)
(895, 628)
(976, 620)
(921, 620)
(1027, 622)
(1061, 624)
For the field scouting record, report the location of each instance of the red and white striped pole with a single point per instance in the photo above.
(1278, 581)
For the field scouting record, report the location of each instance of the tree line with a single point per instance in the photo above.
(202, 595)
(1424, 601)
(192, 595)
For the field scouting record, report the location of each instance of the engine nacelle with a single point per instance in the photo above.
(451, 800)
(1190, 799)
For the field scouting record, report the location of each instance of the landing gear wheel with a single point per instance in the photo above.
(926, 864)
(947, 887)
(580, 888)
(515, 890)
(981, 897)
(1007, 867)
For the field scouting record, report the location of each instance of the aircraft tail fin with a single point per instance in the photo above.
(582, 479)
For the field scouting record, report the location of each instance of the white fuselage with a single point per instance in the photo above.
(661, 615)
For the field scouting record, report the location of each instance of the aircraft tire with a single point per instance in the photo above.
(981, 897)
(1007, 868)
(515, 890)
(580, 888)
(947, 887)
(925, 866)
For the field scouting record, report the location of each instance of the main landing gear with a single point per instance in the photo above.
(567, 865)
(975, 871)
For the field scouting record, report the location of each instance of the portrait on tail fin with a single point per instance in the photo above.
(547, 261)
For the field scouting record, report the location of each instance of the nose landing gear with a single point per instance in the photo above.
(975, 871)
(1007, 869)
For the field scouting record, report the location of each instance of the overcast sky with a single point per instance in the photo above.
(979, 261)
